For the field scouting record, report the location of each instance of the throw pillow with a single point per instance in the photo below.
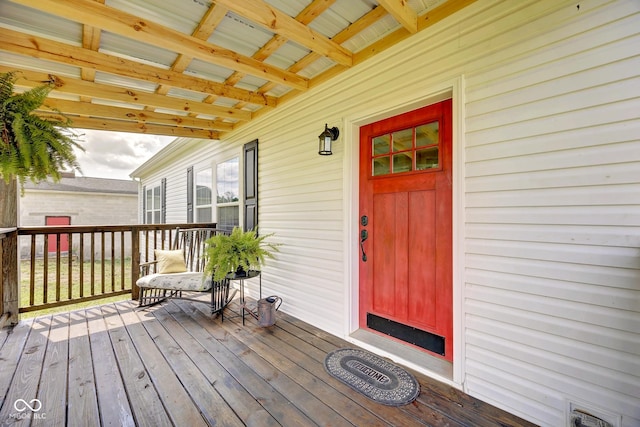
(170, 261)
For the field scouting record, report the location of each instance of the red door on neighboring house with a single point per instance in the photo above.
(64, 238)
(406, 228)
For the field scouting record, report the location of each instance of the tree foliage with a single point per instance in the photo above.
(32, 147)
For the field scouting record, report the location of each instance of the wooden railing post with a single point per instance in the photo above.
(135, 262)
(9, 252)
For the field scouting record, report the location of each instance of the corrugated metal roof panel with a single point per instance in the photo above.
(182, 16)
(287, 55)
(25, 19)
(40, 65)
(340, 15)
(290, 7)
(126, 48)
(186, 94)
(240, 35)
(113, 80)
(208, 71)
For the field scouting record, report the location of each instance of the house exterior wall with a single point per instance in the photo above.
(83, 208)
(546, 197)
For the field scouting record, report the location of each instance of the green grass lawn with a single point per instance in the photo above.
(87, 289)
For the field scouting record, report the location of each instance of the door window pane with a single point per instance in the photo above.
(403, 140)
(406, 150)
(427, 159)
(381, 166)
(381, 145)
(402, 162)
(427, 134)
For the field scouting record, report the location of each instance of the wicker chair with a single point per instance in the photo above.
(156, 286)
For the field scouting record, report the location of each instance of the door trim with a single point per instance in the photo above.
(453, 89)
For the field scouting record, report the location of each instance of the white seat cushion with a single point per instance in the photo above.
(190, 281)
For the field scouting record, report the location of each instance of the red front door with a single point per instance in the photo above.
(406, 228)
(64, 238)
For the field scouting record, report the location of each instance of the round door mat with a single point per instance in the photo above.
(376, 378)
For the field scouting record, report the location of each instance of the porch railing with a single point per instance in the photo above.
(66, 265)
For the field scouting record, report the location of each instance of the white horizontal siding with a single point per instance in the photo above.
(552, 208)
(551, 201)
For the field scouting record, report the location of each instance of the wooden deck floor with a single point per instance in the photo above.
(116, 365)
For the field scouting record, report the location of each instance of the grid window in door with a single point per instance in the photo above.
(406, 150)
(228, 194)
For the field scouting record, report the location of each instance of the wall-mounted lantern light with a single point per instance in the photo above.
(325, 139)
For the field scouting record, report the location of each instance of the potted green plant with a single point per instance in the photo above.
(237, 253)
(31, 146)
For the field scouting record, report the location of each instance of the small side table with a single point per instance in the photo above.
(249, 275)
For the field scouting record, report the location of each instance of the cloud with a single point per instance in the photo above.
(116, 154)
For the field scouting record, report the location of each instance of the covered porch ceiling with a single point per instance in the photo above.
(194, 68)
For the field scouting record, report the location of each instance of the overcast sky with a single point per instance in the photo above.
(116, 154)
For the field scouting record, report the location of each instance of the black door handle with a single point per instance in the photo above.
(364, 235)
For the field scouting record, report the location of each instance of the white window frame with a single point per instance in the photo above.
(235, 203)
(151, 208)
(198, 208)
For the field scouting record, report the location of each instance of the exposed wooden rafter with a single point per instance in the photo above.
(403, 13)
(213, 107)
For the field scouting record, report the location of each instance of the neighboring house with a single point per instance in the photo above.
(77, 201)
(510, 251)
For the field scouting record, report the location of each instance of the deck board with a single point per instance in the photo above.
(27, 376)
(175, 398)
(112, 396)
(174, 365)
(53, 383)
(230, 390)
(82, 400)
(144, 400)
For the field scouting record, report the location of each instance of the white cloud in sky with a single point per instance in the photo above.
(116, 154)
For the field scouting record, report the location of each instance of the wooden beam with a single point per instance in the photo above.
(308, 14)
(352, 30)
(134, 127)
(127, 114)
(403, 13)
(110, 19)
(112, 93)
(424, 21)
(205, 28)
(39, 47)
(280, 23)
